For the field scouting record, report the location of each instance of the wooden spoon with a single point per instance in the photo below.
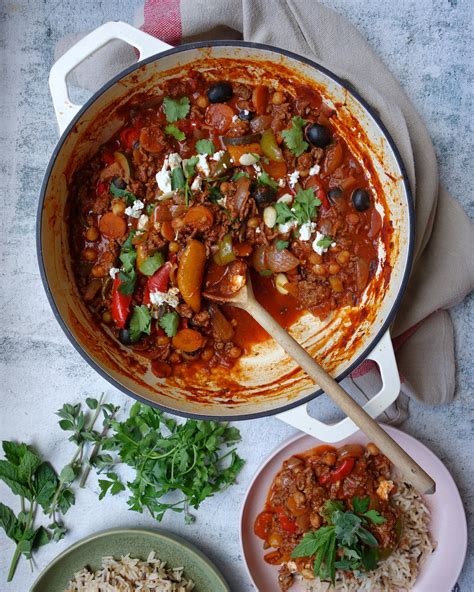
(243, 297)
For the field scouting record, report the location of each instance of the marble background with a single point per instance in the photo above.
(428, 46)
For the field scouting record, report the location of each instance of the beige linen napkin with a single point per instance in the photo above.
(443, 272)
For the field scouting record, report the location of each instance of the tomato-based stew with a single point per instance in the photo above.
(206, 180)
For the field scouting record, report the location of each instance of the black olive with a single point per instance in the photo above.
(119, 183)
(219, 92)
(318, 135)
(264, 195)
(125, 337)
(334, 194)
(361, 200)
(245, 115)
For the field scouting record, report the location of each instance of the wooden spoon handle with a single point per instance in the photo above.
(411, 471)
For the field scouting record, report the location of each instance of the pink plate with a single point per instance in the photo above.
(448, 521)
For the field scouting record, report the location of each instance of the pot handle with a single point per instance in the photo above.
(384, 356)
(146, 45)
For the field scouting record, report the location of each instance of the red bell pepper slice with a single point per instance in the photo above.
(158, 282)
(286, 523)
(323, 198)
(339, 472)
(120, 304)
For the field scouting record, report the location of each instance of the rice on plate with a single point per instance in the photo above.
(131, 575)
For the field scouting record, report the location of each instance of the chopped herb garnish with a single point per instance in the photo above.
(325, 242)
(214, 194)
(169, 323)
(281, 244)
(239, 174)
(172, 130)
(205, 147)
(265, 179)
(189, 166)
(177, 179)
(122, 193)
(128, 275)
(152, 263)
(345, 537)
(140, 322)
(303, 209)
(127, 282)
(175, 108)
(293, 137)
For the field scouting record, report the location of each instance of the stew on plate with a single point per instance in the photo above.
(206, 180)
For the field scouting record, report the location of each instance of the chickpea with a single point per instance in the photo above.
(352, 219)
(118, 207)
(202, 101)
(253, 222)
(315, 520)
(334, 268)
(225, 187)
(278, 98)
(319, 269)
(177, 223)
(106, 317)
(336, 284)
(162, 340)
(372, 449)
(173, 247)
(89, 254)
(343, 257)
(207, 354)
(315, 258)
(99, 271)
(329, 458)
(235, 352)
(92, 233)
(175, 358)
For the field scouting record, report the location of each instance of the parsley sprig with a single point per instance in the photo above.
(303, 209)
(175, 108)
(293, 137)
(177, 465)
(345, 536)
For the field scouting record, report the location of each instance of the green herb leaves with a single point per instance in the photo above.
(205, 147)
(325, 242)
(172, 130)
(281, 245)
(303, 209)
(177, 179)
(175, 108)
(171, 458)
(346, 536)
(140, 322)
(128, 196)
(294, 138)
(128, 275)
(265, 179)
(152, 263)
(169, 323)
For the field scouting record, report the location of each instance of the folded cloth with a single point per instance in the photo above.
(443, 272)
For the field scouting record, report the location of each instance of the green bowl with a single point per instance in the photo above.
(120, 541)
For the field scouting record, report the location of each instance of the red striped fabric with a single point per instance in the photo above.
(162, 19)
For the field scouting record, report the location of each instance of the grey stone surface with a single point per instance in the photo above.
(428, 46)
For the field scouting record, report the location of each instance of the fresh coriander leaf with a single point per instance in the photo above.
(214, 194)
(367, 537)
(359, 505)
(305, 204)
(128, 259)
(169, 323)
(374, 517)
(175, 108)
(265, 179)
(177, 179)
(205, 147)
(140, 322)
(325, 243)
(281, 245)
(127, 282)
(239, 174)
(189, 166)
(293, 137)
(152, 263)
(92, 403)
(122, 193)
(172, 130)
(284, 213)
(128, 243)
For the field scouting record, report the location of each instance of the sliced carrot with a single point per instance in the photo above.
(275, 169)
(237, 151)
(219, 116)
(190, 273)
(199, 217)
(167, 231)
(188, 340)
(112, 226)
(152, 139)
(260, 99)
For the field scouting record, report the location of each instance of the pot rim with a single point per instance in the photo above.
(248, 45)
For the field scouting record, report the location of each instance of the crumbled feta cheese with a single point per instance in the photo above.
(142, 222)
(222, 201)
(318, 248)
(281, 182)
(218, 155)
(196, 184)
(258, 169)
(170, 297)
(284, 228)
(307, 230)
(235, 118)
(174, 160)
(248, 159)
(163, 178)
(285, 198)
(293, 179)
(202, 165)
(113, 271)
(135, 210)
(258, 230)
(314, 170)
